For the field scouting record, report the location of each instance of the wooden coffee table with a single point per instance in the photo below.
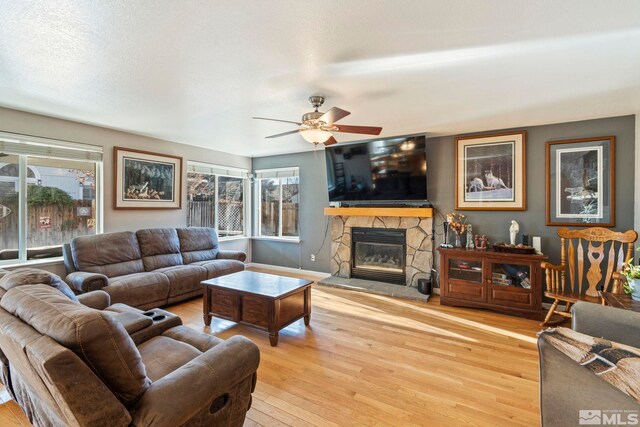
(265, 301)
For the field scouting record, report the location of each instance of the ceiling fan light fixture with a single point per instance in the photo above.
(315, 136)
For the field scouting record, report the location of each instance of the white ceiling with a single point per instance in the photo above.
(195, 72)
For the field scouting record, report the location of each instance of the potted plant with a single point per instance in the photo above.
(632, 273)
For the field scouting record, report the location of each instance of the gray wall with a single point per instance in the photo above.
(119, 220)
(313, 199)
(494, 224)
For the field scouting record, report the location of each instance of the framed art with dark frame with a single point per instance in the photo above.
(490, 172)
(146, 180)
(581, 182)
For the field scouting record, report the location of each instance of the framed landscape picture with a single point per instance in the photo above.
(580, 182)
(490, 172)
(145, 180)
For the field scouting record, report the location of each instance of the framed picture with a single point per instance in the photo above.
(490, 172)
(580, 182)
(145, 180)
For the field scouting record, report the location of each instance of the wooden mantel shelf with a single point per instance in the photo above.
(401, 212)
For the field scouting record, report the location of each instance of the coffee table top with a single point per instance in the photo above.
(264, 284)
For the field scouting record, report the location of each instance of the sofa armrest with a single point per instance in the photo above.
(614, 324)
(82, 281)
(189, 390)
(237, 255)
(95, 299)
(566, 387)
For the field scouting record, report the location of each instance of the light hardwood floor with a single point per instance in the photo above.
(374, 360)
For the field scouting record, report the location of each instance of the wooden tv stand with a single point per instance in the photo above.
(505, 282)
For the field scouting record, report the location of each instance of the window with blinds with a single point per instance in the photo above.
(216, 198)
(50, 192)
(278, 206)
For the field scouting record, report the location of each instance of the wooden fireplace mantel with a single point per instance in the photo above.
(400, 212)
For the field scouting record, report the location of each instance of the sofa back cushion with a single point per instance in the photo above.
(198, 244)
(101, 342)
(111, 254)
(35, 276)
(159, 247)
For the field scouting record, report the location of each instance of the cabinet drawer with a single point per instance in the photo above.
(464, 290)
(511, 296)
(224, 303)
(255, 311)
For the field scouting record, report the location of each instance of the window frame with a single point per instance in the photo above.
(53, 146)
(288, 172)
(246, 199)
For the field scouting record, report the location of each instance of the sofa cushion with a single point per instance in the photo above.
(159, 247)
(112, 254)
(139, 289)
(93, 335)
(220, 267)
(198, 244)
(35, 276)
(163, 355)
(184, 279)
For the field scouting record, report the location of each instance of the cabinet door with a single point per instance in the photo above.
(464, 279)
(510, 284)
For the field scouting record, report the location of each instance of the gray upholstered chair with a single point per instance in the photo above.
(73, 365)
(566, 387)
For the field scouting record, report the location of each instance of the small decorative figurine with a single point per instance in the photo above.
(513, 230)
(481, 242)
(470, 244)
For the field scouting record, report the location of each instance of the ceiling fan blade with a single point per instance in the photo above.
(330, 141)
(368, 130)
(278, 135)
(277, 120)
(333, 115)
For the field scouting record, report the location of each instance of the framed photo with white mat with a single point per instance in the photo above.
(490, 172)
(580, 186)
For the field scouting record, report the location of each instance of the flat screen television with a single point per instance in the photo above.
(390, 169)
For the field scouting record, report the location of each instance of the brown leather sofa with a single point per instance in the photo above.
(148, 268)
(73, 365)
(140, 325)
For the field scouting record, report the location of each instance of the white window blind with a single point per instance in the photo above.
(49, 148)
(216, 170)
(277, 173)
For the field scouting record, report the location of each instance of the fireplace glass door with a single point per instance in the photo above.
(379, 256)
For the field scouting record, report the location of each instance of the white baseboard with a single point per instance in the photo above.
(318, 275)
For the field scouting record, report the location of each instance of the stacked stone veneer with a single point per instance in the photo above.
(419, 244)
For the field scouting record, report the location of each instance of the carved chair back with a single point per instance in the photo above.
(591, 256)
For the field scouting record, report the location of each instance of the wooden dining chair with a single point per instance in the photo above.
(592, 257)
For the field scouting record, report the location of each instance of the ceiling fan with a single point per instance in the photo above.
(316, 127)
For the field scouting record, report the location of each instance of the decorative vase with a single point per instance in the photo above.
(634, 284)
(458, 241)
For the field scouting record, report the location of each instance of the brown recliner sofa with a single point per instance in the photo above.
(73, 365)
(148, 268)
(138, 324)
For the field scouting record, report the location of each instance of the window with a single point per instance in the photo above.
(279, 204)
(216, 198)
(60, 184)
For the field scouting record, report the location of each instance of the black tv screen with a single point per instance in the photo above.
(380, 170)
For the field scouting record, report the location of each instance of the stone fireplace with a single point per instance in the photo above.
(375, 256)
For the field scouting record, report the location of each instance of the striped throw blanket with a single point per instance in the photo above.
(617, 364)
